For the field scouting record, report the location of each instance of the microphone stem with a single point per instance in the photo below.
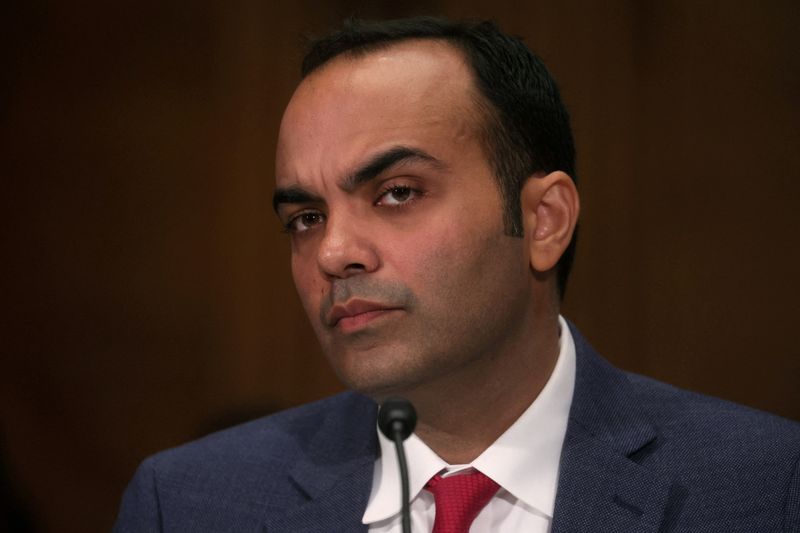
(401, 460)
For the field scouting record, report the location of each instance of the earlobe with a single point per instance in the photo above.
(550, 207)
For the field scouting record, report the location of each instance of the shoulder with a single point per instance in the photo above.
(607, 396)
(275, 439)
(728, 465)
(235, 478)
(686, 415)
(720, 452)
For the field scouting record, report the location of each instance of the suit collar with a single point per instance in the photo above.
(602, 486)
(605, 404)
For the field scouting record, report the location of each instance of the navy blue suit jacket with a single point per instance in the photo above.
(639, 456)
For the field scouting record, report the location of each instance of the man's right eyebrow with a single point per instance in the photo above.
(293, 195)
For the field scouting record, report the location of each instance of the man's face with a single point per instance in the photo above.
(396, 221)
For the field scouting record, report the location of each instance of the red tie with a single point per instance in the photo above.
(459, 499)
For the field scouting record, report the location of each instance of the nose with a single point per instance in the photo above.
(347, 248)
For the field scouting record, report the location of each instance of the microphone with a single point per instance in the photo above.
(396, 420)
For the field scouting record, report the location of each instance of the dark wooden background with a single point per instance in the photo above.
(146, 290)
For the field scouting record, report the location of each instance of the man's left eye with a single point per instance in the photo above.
(397, 195)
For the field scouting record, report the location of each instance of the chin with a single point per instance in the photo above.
(377, 387)
(379, 367)
(384, 381)
(375, 375)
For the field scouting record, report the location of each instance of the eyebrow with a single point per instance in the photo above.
(373, 168)
(383, 161)
(293, 195)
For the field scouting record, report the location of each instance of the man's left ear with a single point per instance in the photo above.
(550, 207)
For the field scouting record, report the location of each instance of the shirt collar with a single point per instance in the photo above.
(423, 464)
(532, 445)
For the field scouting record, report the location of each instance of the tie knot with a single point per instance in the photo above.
(459, 499)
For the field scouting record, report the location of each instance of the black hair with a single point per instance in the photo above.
(526, 126)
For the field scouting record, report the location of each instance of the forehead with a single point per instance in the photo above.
(417, 92)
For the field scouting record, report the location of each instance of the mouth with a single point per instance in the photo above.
(358, 314)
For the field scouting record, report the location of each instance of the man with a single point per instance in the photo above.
(424, 175)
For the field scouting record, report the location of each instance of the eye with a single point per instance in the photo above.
(304, 221)
(396, 195)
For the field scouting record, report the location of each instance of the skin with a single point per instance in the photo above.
(403, 268)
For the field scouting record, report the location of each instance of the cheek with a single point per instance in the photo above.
(458, 269)
(307, 283)
(415, 254)
(435, 258)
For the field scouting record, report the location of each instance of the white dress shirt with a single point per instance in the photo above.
(524, 461)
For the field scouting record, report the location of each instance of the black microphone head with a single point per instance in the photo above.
(397, 414)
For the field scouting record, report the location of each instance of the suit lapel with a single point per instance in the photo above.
(334, 475)
(338, 507)
(602, 486)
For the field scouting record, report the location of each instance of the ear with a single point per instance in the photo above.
(550, 207)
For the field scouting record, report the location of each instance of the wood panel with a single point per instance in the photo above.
(148, 296)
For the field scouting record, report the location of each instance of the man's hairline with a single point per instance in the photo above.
(487, 111)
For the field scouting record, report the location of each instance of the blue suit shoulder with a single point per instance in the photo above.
(719, 466)
(273, 439)
(234, 479)
(730, 460)
(714, 421)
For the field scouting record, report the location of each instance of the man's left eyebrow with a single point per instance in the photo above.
(384, 161)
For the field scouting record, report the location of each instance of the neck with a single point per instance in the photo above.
(463, 415)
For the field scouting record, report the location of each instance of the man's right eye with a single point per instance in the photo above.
(304, 222)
